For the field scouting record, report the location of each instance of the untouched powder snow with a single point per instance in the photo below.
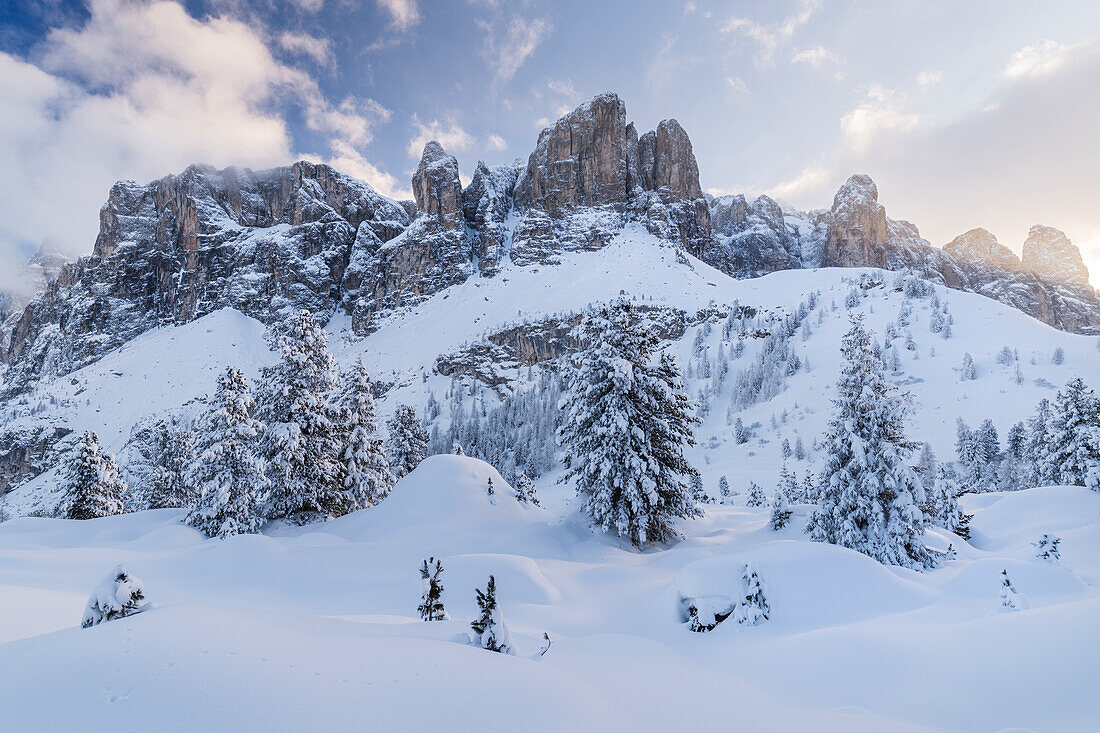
(315, 628)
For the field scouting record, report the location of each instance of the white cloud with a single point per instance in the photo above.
(737, 84)
(496, 142)
(404, 14)
(810, 179)
(319, 50)
(926, 79)
(773, 36)
(140, 91)
(509, 42)
(1036, 60)
(447, 133)
(883, 110)
(816, 57)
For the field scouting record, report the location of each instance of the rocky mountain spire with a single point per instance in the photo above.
(1049, 253)
(979, 245)
(436, 186)
(857, 226)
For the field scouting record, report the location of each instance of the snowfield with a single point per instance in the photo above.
(315, 628)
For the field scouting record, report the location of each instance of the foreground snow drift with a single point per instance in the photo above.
(316, 628)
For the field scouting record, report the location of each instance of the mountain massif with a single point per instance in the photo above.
(306, 236)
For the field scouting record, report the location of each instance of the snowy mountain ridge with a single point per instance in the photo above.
(306, 236)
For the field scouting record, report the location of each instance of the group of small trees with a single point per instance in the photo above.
(1059, 444)
(308, 447)
(490, 631)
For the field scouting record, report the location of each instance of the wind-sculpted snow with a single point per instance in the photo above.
(328, 613)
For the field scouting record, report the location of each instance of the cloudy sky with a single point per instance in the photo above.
(979, 113)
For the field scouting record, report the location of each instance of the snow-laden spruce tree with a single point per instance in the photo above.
(490, 631)
(756, 495)
(367, 477)
(1046, 548)
(942, 504)
(174, 452)
(753, 608)
(724, 492)
(1074, 440)
(228, 475)
(408, 443)
(93, 486)
(302, 442)
(781, 512)
(625, 422)
(431, 591)
(869, 497)
(117, 596)
(968, 371)
(1040, 426)
(525, 490)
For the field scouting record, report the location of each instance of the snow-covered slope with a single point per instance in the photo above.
(315, 628)
(169, 367)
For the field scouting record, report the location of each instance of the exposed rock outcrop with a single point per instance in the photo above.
(486, 204)
(750, 240)
(430, 255)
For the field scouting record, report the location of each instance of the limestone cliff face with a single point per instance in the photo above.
(264, 242)
(584, 159)
(751, 239)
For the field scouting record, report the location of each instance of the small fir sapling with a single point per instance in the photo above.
(1046, 548)
(753, 608)
(117, 596)
(431, 595)
(489, 628)
(1011, 600)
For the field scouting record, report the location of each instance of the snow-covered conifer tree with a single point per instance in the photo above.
(1046, 548)
(175, 450)
(489, 628)
(753, 608)
(942, 504)
(870, 498)
(93, 486)
(1039, 429)
(228, 475)
(302, 442)
(119, 595)
(1059, 356)
(366, 475)
(968, 370)
(1010, 597)
(781, 512)
(756, 496)
(1074, 440)
(525, 490)
(625, 423)
(431, 594)
(785, 448)
(457, 449)
(724, 490)
(799, 449)
(408, 444)
(739, 435)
